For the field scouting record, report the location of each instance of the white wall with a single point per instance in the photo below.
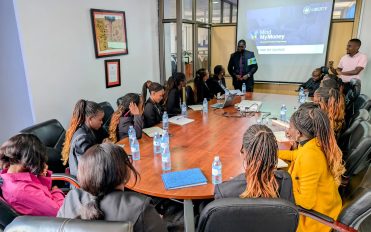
(15, 107)
(59, 53)
(365, 37)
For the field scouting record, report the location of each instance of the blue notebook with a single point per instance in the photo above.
(182, 179)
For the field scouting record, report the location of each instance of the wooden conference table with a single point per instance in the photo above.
(194, 145)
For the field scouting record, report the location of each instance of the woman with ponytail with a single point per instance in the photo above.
(173, 92)
(316, 165)
(332, 102)
(83, 132)
(201, 89)
(261, 177)
(102, 195)
(129, 113)
(152, 107)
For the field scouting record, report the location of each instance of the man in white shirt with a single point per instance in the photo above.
(351, 64)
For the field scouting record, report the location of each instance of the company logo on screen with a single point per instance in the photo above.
(308, 9)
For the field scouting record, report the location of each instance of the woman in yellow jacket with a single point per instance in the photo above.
(316, 166)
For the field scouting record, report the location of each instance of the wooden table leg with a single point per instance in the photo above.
(189, 222)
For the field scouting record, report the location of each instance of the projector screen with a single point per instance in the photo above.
(289, 38)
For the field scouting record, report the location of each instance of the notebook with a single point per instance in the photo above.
(152, 130)
(228, 101)
(180, 120)
(183, 179)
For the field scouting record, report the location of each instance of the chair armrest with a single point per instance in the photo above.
(67, 178)
(326, 220)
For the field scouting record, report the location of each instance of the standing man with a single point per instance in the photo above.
(351, 64)
(242, 66)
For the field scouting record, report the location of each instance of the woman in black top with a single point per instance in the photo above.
(216, 84)
(201, 89)
(152, 108)
(173, 92)
(261, 178)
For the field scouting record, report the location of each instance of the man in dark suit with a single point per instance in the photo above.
(242, 66)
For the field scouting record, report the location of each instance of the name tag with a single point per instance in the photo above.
(251, 61)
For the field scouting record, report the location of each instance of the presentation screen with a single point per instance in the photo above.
(289, 38)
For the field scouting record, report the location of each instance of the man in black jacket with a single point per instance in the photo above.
(242, 66)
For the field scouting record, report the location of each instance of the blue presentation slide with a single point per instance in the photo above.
(296, 29)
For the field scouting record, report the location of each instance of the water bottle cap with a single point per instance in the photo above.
(216, 158)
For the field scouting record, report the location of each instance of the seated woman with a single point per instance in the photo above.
(173, 92)
(127, 114)
(332, 102)
(102, 195)
(83, 132)
(216, 84)
(27, 186)
(316, 165)
(261, 178)
(313, 83)
(201, 89)
(152, 107)
(332, 81)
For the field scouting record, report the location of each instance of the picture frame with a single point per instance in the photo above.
(113, 73)
(109, 32)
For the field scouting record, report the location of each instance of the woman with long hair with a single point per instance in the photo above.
(83, 132)
(102, 195)
(216, 83)
(332, 102)
(152, 107)
(172, 99)
(129, 113)
(261, 177)
(201, 90)
(316, 165)
(26, 182)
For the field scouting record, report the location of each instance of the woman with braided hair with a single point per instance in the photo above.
(332, 102)
(261, 178)
(102, 195)
(128, 113)
(316, 165)
(83, 132)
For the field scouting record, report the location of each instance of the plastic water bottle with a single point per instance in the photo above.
(157, 144)
(164, 140)
(135, 152)
(184, 110)
(132, 134)
(165, 121)
(302, 96)
(216, 171)
(283, 113)
(205, 106)
(243, 88)
(166, 159)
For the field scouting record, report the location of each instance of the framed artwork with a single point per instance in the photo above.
(109, 31)
(113, 73)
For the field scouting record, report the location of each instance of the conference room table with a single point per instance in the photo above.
(194, 145)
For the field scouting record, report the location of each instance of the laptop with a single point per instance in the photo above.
(228, 101)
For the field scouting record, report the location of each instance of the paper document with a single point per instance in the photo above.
(236, 91)
(281, 164)
(196, 107)
(281, 136)
(152, 130)
(180, 120)
(247, 105)
(281, 123)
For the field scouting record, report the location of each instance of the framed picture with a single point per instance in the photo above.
(113, 73)
(109, 31)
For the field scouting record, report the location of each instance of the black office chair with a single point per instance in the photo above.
(52, 135)
(108, 111)
(362, 102)
(356, 212)
(49, 224)
(260, 214)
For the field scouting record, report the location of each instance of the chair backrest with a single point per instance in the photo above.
(356, 156)
(48, 224)
(354, 91)
(355, 120)
(357, 206)
(108, 111)
(7, 214)
(52, 135)
(259, 215)
(361, 102)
